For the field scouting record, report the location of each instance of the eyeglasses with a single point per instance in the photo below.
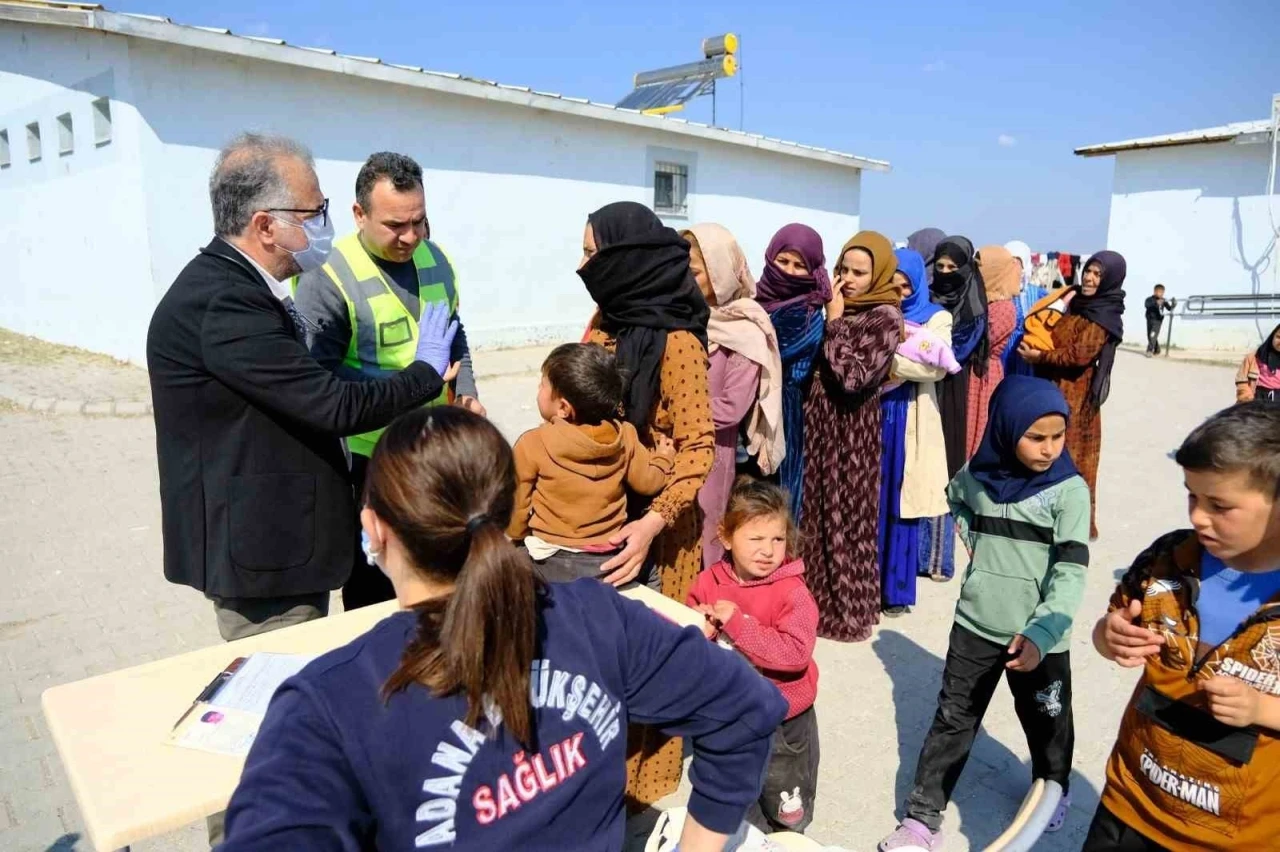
(322, 210)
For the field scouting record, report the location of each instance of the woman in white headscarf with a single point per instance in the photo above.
(1030, 294)
(745, 372)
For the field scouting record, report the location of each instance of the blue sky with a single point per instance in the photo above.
(978, 109)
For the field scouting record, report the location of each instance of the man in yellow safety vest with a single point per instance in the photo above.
(365, 303)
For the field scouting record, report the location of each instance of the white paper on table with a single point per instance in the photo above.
(220, 730)
(251, 687)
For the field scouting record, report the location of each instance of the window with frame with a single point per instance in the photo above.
(33, 142)
(671, 189)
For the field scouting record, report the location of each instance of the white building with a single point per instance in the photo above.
(1191, 210)
(109, 124)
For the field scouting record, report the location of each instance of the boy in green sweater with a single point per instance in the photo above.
(1023, 511)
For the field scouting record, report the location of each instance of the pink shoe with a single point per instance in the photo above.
(912, 834)
(1059, 816)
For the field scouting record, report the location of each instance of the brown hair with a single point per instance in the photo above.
(1244, 437)
(586, 376)
(754, 498)
(444, 480)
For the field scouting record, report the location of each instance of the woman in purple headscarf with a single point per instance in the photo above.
(794, 289)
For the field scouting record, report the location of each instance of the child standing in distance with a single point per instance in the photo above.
(756, 598)
(1023, 511)
(1196, 765)
(573, 471)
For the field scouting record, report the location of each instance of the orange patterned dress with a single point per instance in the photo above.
(1070, 365)
(683, 413)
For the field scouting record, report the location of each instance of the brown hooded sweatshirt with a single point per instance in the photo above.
(572, 481)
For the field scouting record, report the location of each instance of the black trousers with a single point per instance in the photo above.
(1153, 335)
(1042, 699)
(791, 779)
(367, 584)
(1109, 834)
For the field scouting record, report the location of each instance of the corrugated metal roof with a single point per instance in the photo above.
(1225, 133)
(159, 28)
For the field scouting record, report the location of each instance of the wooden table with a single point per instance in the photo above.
(110, 730)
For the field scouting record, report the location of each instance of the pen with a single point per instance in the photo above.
(210, 691)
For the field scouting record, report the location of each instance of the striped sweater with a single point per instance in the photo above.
(1028, 560)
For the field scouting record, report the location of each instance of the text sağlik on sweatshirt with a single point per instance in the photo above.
(336, 767)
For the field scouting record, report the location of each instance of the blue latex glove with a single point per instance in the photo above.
(435, 336)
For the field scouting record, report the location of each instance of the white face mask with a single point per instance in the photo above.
(319, 233)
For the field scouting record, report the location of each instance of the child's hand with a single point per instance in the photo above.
(1026, 655)
(664, 446)
(1127, 643)
(709, 628)
(1232, 702)
(1029, 354)
(722, 611)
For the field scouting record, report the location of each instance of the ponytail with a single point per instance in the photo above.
(444, 480)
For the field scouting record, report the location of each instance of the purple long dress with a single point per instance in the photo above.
(735, 382)
(842, 436)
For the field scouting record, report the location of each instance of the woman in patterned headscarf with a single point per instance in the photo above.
(842, 439)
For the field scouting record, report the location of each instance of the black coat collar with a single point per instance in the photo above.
(223, 250)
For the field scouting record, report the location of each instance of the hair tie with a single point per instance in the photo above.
(475, 522)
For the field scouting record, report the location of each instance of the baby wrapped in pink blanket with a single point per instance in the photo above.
(925, 347)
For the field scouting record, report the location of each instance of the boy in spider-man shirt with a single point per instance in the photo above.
(1196, 765)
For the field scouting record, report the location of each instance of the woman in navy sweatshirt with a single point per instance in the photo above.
(492, 714)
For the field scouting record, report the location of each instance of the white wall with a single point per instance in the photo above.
(508, 188)
(73, 249)
(1195, 218)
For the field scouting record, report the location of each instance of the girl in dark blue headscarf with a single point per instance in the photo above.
(1023, 512)
(913, 473)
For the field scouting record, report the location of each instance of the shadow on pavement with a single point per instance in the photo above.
(917, 676)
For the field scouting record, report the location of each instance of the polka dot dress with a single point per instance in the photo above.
(683, 413)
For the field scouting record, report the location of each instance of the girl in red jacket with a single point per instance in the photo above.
(756, 600)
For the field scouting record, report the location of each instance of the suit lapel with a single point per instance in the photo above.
(289, 315)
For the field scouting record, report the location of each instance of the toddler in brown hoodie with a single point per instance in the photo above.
(573, 472)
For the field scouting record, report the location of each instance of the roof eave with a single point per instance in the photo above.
(161, 30)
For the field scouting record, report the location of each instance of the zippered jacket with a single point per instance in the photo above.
(1177, 775)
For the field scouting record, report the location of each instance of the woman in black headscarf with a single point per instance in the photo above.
(957, 287)
(653, 316)
(1084, 350)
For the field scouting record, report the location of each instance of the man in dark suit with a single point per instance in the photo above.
(256, 503)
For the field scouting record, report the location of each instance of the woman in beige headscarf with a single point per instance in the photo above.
(745, 372)
(1002, 278)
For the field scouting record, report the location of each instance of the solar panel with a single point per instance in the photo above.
(661, 95)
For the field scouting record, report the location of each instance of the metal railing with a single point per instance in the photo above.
(1239, 305)
(1232, 305)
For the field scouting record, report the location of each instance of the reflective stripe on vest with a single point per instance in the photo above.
(384, 335)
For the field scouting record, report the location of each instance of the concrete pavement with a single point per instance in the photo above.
(80, 566)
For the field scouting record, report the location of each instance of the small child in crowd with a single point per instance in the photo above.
(1023, 511)
(573, 472)
(1196, 765)
(756, 599)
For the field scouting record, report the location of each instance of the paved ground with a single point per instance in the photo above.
(80, 566)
